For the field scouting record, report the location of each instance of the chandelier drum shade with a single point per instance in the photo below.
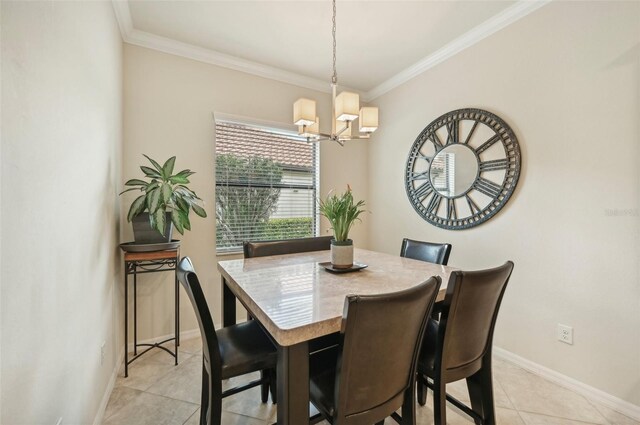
(345, 110)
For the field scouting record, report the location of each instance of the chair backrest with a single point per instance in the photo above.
(286, 246)
(210, 349)
(469, 316)
(437, 253)
(381, 337)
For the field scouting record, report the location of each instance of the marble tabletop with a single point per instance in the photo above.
(297, 300)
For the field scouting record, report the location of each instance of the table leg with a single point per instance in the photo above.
(228, 305)
(293, 384)
(126, 322)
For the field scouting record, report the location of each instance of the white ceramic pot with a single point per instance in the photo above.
(342, 254)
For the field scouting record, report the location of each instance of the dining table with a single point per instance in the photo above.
(297, 301)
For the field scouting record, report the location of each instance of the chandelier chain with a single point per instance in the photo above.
(334, 78)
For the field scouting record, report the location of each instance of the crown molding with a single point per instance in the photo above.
(167, 45)
(123, 16)
(492, 25)
(136, 37)
(163, 44)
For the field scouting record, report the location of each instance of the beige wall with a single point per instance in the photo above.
(61, 156)
(566, 78)
(168, 106)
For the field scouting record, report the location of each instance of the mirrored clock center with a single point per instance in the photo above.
(453, 170)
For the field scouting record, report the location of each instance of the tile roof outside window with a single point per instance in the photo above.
(287, 151)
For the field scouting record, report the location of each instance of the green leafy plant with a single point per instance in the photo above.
(243, 209)
(342, 212)
(165, 192)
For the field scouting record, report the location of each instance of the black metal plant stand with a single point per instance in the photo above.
(148, 262)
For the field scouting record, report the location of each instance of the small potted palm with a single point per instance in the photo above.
(165, 202)
(342, 212)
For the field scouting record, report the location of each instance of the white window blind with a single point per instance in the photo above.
(443, 173)
(266, 185)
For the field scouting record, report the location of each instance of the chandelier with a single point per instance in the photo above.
(345, 110)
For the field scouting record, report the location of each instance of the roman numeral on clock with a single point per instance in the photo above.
(436, 141)
(496, 164)
(422, 191)
(473, 207)
(434, 204)
(451, 209)
(413, 176)
(486, 145)
(487, 187)
(452, 129)
(425, 157)
(473, 128)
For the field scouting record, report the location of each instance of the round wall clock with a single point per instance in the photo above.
(462, 169)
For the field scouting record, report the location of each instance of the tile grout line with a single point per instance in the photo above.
(197, 404)
(606, 421)
(148, 361)
(189, 418)
(496, 380)
(559, 417)
(519, 411)
(105, 418)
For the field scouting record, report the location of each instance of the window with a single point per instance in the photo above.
(443, 173)
(266, 185)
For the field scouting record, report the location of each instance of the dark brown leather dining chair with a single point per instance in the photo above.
(252, 249)
(231, 351)
(458, 346)
(286, 246)
(437, 253)
(371, 373)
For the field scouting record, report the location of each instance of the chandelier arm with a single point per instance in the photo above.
(360, 137)
(344, 129)
(317, 139)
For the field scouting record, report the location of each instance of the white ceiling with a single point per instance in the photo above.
(378, 41)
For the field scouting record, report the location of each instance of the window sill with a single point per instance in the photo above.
(228, 253)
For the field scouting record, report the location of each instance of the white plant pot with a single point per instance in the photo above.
(342, 254)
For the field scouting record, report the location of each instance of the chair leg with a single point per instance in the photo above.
(439, 402)
(264, 387)
(215, 413)
(422, 390)
(204, 397)
(409, 407)
(210, 405)
(480, 387)
(273, 386)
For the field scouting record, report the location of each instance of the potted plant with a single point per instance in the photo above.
(342, 212)
(165, 202)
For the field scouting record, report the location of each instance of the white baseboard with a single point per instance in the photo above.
(107, 392)
(183, 335)
(619, 405)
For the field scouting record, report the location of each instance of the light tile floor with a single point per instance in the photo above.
(159, 393)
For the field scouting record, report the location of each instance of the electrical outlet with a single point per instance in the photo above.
(104, 343)
(565, 334)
